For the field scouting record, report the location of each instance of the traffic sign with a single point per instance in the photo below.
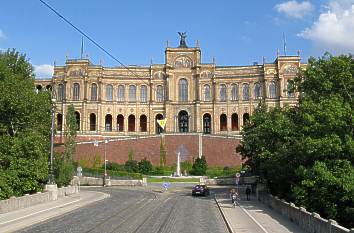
(165, 185)
(238, 174)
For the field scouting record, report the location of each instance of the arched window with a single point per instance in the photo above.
(246, 91)
(38, 88)
(257, 91)
(120, 123)
(131, 123)
(143, 94)
(207, 94)
(234, 122)
(76, 91)
(109, 92)
(207, 123)
(77, 116)
(121, 93)
(290, 89)
(61, 95)
(143, 123)
(272, 90)
(159, 93)
(108, 122)
(158, 127)
(246, 118)
(94, 92)
(59, 122)
(183, 90)
(234, 92)
(183, 121)
(223, 122)
(92, 122)
(132, 93)
(223, 96)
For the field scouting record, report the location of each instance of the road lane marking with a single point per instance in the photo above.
(59, 206)
(249, 215)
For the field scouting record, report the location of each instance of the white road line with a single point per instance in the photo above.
(13, 220)
(249, 215)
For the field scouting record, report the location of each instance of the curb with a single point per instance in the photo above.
(223, 216)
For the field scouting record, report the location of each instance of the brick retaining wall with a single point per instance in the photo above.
(218, 151)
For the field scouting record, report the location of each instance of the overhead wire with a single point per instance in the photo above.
(94, 42)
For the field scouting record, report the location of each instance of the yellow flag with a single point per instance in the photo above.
(162, 123)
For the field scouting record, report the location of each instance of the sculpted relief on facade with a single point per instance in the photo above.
(183, 62)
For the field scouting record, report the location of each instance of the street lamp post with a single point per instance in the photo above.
(51, 179)
(105, 163)
(95, 143)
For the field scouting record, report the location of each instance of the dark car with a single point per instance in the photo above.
(200, 189)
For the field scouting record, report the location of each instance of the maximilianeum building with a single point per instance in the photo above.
(194, 97)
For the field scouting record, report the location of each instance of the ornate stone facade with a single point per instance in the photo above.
(193, 96)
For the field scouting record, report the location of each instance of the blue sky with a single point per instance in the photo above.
(235, 32)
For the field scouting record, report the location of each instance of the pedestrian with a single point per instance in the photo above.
(248, 192)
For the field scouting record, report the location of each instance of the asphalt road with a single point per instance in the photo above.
(140, 210)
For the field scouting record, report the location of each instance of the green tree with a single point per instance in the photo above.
(200, 166)
(130, 154)
(328, 188)
(24, 128)
(64, 168)
(186, 166)
(299, 149)
(162, 154)
(145, 166)
(269, 147)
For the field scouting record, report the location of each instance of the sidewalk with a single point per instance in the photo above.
(254, 217)
(18, 219)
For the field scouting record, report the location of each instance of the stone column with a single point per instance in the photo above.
(85, 88)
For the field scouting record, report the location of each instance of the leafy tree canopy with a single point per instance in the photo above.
(287, 146)
(24, 128)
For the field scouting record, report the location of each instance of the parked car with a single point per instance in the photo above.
(200, 189)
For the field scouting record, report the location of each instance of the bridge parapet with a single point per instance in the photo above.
(310, 222)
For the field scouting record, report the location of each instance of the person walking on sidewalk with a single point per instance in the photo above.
(248, 192)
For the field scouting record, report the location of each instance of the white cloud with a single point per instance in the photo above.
(294, 9)
(333, 31)
(2, 34)
(43, 71)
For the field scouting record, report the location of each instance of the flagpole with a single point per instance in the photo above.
(82, 47)
(284, 43)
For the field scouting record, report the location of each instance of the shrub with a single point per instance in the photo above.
(199, 167)
(131, 166)
(114, 166)
(145, 166)
(111, 173)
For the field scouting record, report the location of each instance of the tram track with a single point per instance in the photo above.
(122, 214)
